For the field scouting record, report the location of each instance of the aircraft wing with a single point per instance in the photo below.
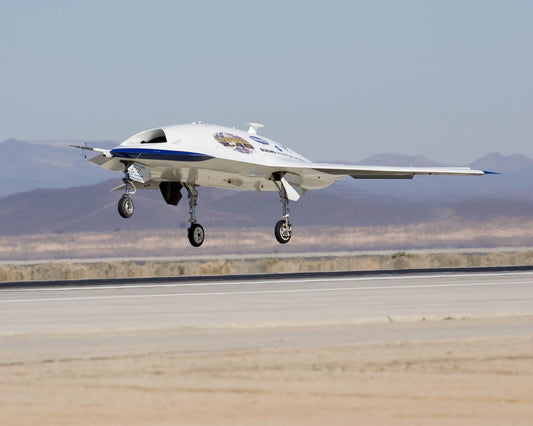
(104, 152)
(383, 172)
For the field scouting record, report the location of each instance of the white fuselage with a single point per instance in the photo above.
(209, 155)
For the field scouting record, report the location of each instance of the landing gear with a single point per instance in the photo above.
(195, 232)
(196, 235)
(172, 195)
(282, 230)
(125, 204)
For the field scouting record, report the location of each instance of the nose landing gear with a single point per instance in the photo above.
(126, 207)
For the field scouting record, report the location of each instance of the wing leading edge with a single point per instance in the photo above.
(384, 172)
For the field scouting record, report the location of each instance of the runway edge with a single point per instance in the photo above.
(258, 277)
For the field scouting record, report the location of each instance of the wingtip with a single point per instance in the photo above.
(486, 172)
(84, 147)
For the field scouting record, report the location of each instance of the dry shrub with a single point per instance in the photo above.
(262, 266)
(11, 273)
(128, 269)
(521, 258)
(366, 263)
(450, 260)
(218, 267)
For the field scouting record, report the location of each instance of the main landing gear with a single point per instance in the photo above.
(282, 230)
(172, 194)
(195, 232)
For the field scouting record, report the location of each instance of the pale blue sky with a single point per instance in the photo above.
(335, 80)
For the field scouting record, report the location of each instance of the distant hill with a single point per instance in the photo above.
(497, 162)
(25, 166)
(74, 195)
(514, 183)
(94, 208)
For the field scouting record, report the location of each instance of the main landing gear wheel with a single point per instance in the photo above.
(125, 206)
(196, 235)
(283, 232)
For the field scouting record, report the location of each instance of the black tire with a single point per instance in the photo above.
(196, 235)
(126, 207)
(283, 235)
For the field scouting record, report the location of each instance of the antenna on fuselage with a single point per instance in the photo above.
(254, 127)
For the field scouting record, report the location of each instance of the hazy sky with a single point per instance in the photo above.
(335, 80)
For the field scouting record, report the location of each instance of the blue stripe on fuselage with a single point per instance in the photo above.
(158, 154)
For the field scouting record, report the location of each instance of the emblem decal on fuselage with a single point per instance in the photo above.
(260, 140)
(236, 142)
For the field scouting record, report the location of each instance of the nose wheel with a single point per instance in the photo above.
(125, 206)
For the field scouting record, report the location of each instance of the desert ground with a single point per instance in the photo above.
(421, 372)
(444, 234)
(436, 350)
(471, 381)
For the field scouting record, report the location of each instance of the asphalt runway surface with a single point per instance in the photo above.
(425, 348)
(46, 323)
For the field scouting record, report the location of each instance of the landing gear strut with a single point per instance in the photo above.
(282, 230)
(195, 232)
(125, 204)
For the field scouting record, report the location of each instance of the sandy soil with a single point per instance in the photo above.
(514, 232)
(436, 382)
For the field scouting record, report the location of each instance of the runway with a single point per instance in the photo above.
(44, 323)
(428, 348)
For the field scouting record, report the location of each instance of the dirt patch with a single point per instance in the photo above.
(459, 381)
(501, 232)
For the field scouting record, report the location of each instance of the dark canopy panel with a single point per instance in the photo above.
(154, 136)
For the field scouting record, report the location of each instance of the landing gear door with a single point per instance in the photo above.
(139, 173)
(292, 184)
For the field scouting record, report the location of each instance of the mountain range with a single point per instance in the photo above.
(53, 189)
(25, 166)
